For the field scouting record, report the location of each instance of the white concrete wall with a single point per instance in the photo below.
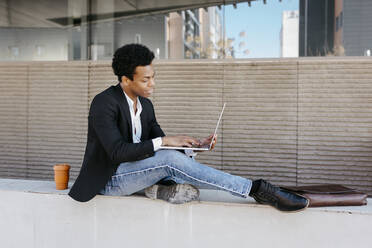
(34, 215)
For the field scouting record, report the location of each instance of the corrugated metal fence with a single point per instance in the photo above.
(294, 121)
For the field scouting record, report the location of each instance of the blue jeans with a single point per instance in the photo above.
(131, 177)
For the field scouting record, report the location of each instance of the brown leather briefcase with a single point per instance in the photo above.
(329, 195)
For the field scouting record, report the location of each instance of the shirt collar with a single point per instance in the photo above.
(130, 102)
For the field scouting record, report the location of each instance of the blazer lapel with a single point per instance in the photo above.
(144, 127)
(125, 107)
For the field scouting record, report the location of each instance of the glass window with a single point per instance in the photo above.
(263, 29)
(41, 30)
(94, 29)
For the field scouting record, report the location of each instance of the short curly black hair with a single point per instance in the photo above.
(128, 57)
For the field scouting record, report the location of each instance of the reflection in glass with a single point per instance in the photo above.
(31, 30)
(94, 29)
(262, 30)
(196, 34)
(335, 27)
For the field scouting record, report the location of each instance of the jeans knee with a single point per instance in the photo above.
(168, 153)
(175, 156)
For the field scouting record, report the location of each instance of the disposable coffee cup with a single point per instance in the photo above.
(61, 176)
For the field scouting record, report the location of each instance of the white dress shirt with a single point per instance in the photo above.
(136, 123)
(136, 119)
(137, 127)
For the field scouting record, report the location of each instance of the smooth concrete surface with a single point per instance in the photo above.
(33, 214)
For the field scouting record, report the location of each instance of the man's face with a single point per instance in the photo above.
(143, 82)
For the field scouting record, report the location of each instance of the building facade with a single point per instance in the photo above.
(335, 28)
(289, 34)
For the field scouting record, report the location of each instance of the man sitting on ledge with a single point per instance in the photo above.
(123, 154)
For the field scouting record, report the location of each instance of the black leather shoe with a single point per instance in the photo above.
(279, 198)
(176, 193)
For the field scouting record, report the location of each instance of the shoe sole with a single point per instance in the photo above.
(287, 211)
(299, 210)
(182, 193)
(151, 191)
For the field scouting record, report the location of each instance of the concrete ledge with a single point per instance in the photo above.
(34, 214)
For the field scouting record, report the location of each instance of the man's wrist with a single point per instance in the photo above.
(164, 141)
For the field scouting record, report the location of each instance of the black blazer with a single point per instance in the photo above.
(110, 140)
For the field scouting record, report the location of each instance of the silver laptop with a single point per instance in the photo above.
(204, 148)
